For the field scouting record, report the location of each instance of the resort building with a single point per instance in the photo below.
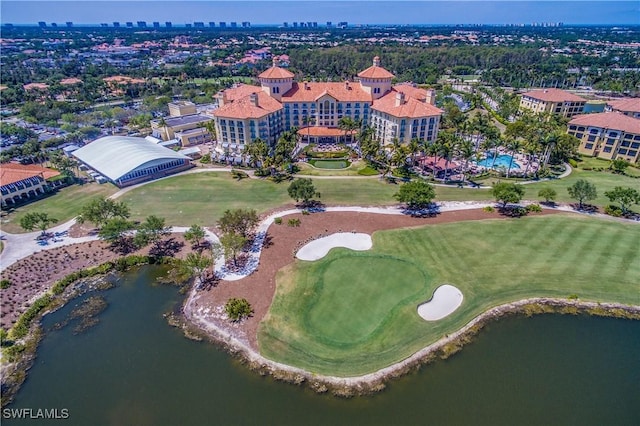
(554, 101)
(607, 135)
(627, 106)
(128, 160)
(315, 109)
(188, 129)
(20, 183)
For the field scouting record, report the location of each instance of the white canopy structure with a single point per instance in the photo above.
(127, 160)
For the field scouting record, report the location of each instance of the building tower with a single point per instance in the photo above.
(375, 80)
(276, 81)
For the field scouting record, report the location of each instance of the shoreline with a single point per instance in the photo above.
(197, 328)
(238, 340)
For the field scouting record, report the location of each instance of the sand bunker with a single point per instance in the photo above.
(446, 299)
(317, 249)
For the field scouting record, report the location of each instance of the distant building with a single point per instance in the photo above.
(608, 135)
(21, 183)
(168, 24)
(183, 124)
(222, 24)
(246, 24)
(212, 24)
(178, 108)
(279, 104)
(142, 24)
(129, 24)
(198, 24)
(116, 24)
(156, 24)
(234, 25)
(69, 24)
(42, 24)
(627, 106)
(554, 101)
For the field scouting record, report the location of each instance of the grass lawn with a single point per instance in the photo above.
(355, 312)
(202, 198)
(63, 205)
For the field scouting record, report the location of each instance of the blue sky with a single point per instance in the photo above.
(356, 12)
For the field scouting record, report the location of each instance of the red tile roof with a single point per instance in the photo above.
(121, 79)
(14, 172)
(322, 131)
(309, 92)
(38, 86)
(411, 107)
(609, 120)
(70, 81)
(245, 108)
(553, 95)
(276, 72)
(375, 72)
(626, 105)
(240, 91)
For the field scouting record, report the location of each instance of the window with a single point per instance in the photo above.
(588, 146)
(607, 149)
(276, 90)
(591, 138)
(376, 90)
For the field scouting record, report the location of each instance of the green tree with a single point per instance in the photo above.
(240, 221)
(302, 189)
(196, 264)
(114, 229)
(416, 194)
(625, 196)
(232, 243)
(100, 210)
(619, 165)
(506, 193)
(151, 231)
(549, 194)
(238, 309)
(582, 190)
(195, 234)
(37, 220)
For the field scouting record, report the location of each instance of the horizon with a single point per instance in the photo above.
(274, 13)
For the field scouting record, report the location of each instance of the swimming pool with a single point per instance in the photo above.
(502, 161)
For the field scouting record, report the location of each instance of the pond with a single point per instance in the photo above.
(132, 368)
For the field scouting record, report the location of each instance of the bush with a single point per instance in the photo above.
(573, 163)
(21, 327)
(238, 309)
(277, 221)
(305, 212)
(614, 211)
(294, 222)
(534, 208)
(262, 172)
(206, 159)
(573, 297)
(488, 209)
(238, 174)
(5, 284)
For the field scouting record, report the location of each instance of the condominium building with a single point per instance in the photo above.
(627, 106)
(554, 101)
(315, 109)
(607, 135)
(184, 124)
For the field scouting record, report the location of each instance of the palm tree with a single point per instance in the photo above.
(308, 121)
(344, 124)
(413, 148)
(466, 151)
(513, 146)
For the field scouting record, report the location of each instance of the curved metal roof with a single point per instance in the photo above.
(115, 156)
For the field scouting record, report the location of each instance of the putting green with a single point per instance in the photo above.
(331, 164)
(352, 313)
(348, 290)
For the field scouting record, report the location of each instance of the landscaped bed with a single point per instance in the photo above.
(351, 313)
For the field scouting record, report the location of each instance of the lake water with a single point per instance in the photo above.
(132, 368)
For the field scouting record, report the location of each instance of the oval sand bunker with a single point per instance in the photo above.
(317, 249)
(446, 299)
